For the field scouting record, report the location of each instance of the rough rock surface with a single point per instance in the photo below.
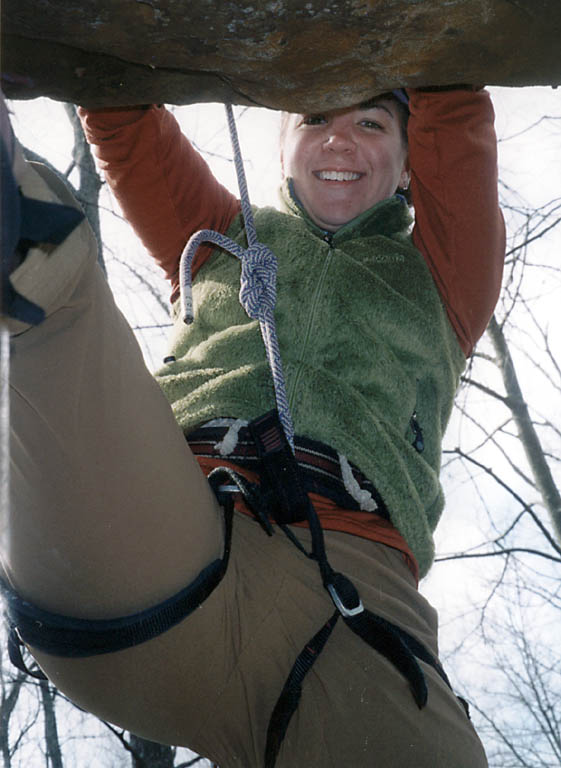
(291, 54)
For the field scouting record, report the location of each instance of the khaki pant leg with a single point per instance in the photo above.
(211, 682)
(356, 709)
(110, 512)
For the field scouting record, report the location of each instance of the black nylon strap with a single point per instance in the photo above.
(15, 647)
(386, 638)
(280, 479)
(72, 637)
(397, 646)
(289, 698)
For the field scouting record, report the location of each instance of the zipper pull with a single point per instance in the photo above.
(419, 441)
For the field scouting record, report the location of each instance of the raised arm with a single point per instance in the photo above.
(164, 187)
(459, 227)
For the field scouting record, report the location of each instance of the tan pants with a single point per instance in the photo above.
(111, 514)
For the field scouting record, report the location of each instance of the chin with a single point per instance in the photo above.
(333, 223)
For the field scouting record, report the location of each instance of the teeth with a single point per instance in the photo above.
(338, 175)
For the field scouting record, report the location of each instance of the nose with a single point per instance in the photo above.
(340, 139)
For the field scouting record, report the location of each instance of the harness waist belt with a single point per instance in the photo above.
(318, 464)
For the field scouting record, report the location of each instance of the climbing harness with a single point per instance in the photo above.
(289, 468)
(322, 470)
(282, 495)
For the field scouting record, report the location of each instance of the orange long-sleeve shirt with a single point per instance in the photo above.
(167, 192)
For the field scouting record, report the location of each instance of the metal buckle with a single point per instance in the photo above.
(343, 610)
(228, 489)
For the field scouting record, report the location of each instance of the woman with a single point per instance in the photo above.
(374, 328)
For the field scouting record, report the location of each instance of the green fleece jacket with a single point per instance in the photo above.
(365, 343)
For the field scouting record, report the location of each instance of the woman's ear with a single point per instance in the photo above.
(405, 177)
(404, 180)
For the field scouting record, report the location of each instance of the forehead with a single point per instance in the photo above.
(387, 106)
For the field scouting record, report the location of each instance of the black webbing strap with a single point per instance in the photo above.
(289, 698)
(399, 647)
(407, 647)
(71, 637)
(281, 483)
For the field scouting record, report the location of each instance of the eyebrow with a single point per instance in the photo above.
(375, 103)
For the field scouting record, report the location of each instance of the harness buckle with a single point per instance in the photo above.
(341, 607)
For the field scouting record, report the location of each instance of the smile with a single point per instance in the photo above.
(338, 175)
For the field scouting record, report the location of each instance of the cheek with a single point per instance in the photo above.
(297, 151)
(294, 159)
(401, 158)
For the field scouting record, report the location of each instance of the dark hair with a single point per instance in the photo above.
(402, 111)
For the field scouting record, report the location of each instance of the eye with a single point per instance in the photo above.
(314, 120)
(373, 125)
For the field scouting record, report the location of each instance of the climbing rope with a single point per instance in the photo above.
(258, 283)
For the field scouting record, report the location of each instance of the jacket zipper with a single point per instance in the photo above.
(328, 238)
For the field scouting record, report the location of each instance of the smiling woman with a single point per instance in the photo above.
(114, 527)
(345, 161)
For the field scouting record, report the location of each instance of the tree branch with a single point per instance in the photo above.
(528, 510)
(526, 430)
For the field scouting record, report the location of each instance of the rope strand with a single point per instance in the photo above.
(258, 283)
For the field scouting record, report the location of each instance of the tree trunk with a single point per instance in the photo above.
(54, 755)
(527, 433)
(8, 702)
(149, 754)
(89, 183)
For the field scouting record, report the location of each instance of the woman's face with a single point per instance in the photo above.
(343, 162)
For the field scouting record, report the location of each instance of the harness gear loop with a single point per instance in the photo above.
(258, 281)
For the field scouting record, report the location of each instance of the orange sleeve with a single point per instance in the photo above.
(164, 187)
(459, 226)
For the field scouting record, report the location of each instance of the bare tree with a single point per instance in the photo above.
(506, 451)
(89, 183)
(52, 743)
(10, 689)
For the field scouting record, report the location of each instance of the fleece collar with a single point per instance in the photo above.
(388, 217)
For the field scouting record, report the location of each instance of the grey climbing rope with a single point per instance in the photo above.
(258, 283)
